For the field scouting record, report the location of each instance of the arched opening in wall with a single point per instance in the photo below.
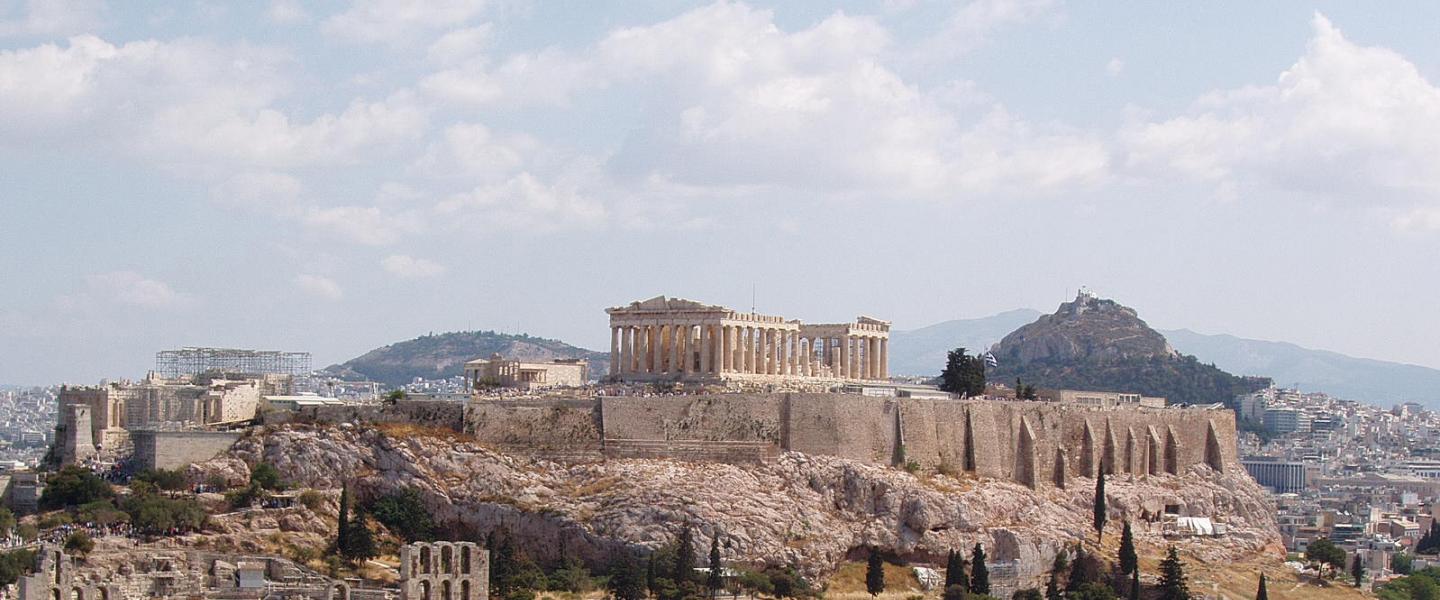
(56, 594)
(339, 591)
(104, 593)
(1059, 474)
(445, 590)
(1172, 452)
(425, 565)
(465, 590)
(77, 593)
(969, 442)
(425, 590)
(447, 562)
(58, 559)
(1152, 454)
(1025, 456)
(1212, 450)
(465, 565)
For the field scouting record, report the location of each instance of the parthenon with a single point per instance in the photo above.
(671, 338)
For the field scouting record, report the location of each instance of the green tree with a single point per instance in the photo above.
(1092, 591)
(1173, 585)
(1402, 563)
(1129, 560)
(268, 478)
(1084, 569)
(979, 573)
(1027, 594)
(7, 520)
(170, 480)
(1357, 570)
(1100, 512)
(1325, 554)
(963, 374)
(626, 578)
(342, 525)
(404, 513)
(684, 570)
(1135, 584)
(714, 582)
(875, 574)
(955, 572)
(394, 396)
(360, 543)
(14, 564)
(652, 575)
(1260, 593)
(1057, 570)
(79, 542)
(73, 486)
(502, 564)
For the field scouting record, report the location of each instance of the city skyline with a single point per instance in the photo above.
(334, 177)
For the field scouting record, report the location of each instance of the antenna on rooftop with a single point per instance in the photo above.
(752, 298)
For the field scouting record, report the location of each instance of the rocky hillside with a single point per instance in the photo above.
(444, 355)
(1098, 344)
(810, 512)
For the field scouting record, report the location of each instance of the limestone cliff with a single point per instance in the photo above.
(1098, 344)
(807, 511)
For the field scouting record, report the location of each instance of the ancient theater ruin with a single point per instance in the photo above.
(674, 339)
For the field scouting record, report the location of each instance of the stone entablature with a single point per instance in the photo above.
(671, 338)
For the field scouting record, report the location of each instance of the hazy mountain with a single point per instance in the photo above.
(444, 355)
(922, 351)
(1361, 379)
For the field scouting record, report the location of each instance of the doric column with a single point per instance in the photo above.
(854, 366)
(862, 355)
(782, 354)
(677, 348)
(684, 348)
(626, 336)
(615, 350)
(772, 350)
(843, 368)
(884, 358)
(727, 349)
(706, 339)
(747, 349)
(642, 348)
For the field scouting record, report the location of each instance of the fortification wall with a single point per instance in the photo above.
(429, 413)
(176, 449)
(1035, 443)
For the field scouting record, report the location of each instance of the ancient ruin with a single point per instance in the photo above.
(673, 339)
(498, 371)
(444, 571)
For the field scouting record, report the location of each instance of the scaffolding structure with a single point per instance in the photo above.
(171, 364)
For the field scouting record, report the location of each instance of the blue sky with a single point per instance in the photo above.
(334, 176)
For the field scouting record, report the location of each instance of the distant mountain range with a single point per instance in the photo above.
(922, 352)
(444, 355)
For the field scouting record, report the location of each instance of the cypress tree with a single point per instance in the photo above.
(342, 528)
(1129, 560)
(955, 572)
(714, 581)
(979, 574)
(875, 574)
(360, 541)
(1100, 505)
(652, 576)
(1172, 577)
(626, 581)
(684, 556)
(1260, 593)
(1135, 585)
(502, 566)
(1357, 570)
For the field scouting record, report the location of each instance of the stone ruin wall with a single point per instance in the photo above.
(1035, 443)
(442, 414)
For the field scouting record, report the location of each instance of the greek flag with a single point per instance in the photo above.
(990, 360)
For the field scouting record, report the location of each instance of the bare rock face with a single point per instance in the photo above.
(810, 512)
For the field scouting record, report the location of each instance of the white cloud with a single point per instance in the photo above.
(397, 21)
(258, 190)
(736, 101)
(185, 103)
(524, 202)
(49, 17)
(972, 24)
(472, 150)
(129, 287)
(1115, 67)
(1345, 123)
(409, 267)
(461, 44)
(369, 225)
(318, 286)
(286, 12)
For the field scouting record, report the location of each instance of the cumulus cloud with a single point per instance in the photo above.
(132, 288)
(258, 190)
(186, 102)
(526, 202)
(738, 101)
(1346, 123)
(409, 267)
(49, 17)
(1115, 67)
(319, 286)
(397, 21)
(286, 12)
(368, 225)
(971, 25)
